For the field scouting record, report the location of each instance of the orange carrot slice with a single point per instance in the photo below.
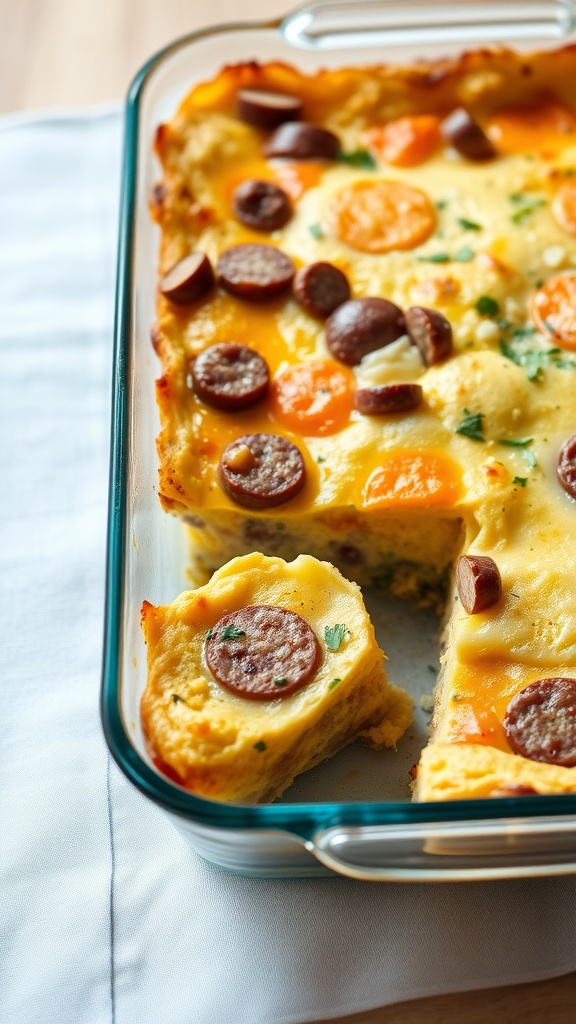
(413, 480)
(553, 310)
(548, 124)
(314, 398)
(564, 207)
(377, 216)
(296, 178)
(406, 142)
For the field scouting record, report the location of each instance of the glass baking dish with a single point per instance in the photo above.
(333, 818)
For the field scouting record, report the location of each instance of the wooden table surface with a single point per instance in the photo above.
(73, 52)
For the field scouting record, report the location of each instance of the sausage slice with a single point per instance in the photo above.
(230, 376)
(540, 721)
(262, 205)
(320, 288)
(478, 582)
(265, 109)
(254, 271)
(567, 466)
(262, 470)
(190, 279)
(431, 333)
(301, 141)
(361, 326)
(262, 652)
(465, 135)
(383, 398)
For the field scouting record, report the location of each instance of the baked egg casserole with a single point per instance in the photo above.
(366, 320)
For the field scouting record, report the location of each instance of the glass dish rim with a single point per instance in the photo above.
(302, 819)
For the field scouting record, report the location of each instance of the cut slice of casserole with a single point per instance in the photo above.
(264, 672)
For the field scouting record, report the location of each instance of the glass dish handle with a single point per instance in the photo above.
(334, 24)
(450, 851)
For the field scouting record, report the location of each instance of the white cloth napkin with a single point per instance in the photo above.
(108, 916)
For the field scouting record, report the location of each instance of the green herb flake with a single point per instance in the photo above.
(209, 634)
(334, 635)
(177, 699)
(334, 683)
(464, 255)
(471, 425)
(358, 158)
(529, 457)
(435, 257)
(260, 745)
(469, 225)
(316, 231)
(320, 458)
(520, 480)
(441, 204)
(280, 682)
(432, 668)
(519, 442)
(487, 306)
(231, 632)
(523, 332)
(526, 205)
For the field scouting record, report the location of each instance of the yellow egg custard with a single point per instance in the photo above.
(236, 704)
(411, 408)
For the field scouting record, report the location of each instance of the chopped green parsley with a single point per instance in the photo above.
(519, 442)
(358, 158)
(469, 225)
(529, 457)
(487, 306)
(334, 635)
(316, 231)
(231, 632)
(260, 745)
(435, 257)
(464, 255)
(520, 480)
(471, 425)
(534, 360)
(280, 682)
(334, 683)
(525, 206)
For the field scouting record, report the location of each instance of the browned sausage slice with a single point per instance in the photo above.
(266, 109)
(262, 652)
(478, 582)
(320, 288)
(567, 466)
(189, 280)
(361, 326)
(301, 141)
(431, 333)
(383, 398)
(262, 205)
(540, 721)
(466, 136)
(254, 271)
(230, 376)
(262, 470)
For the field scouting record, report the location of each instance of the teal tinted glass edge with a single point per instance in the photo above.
(301, 819)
